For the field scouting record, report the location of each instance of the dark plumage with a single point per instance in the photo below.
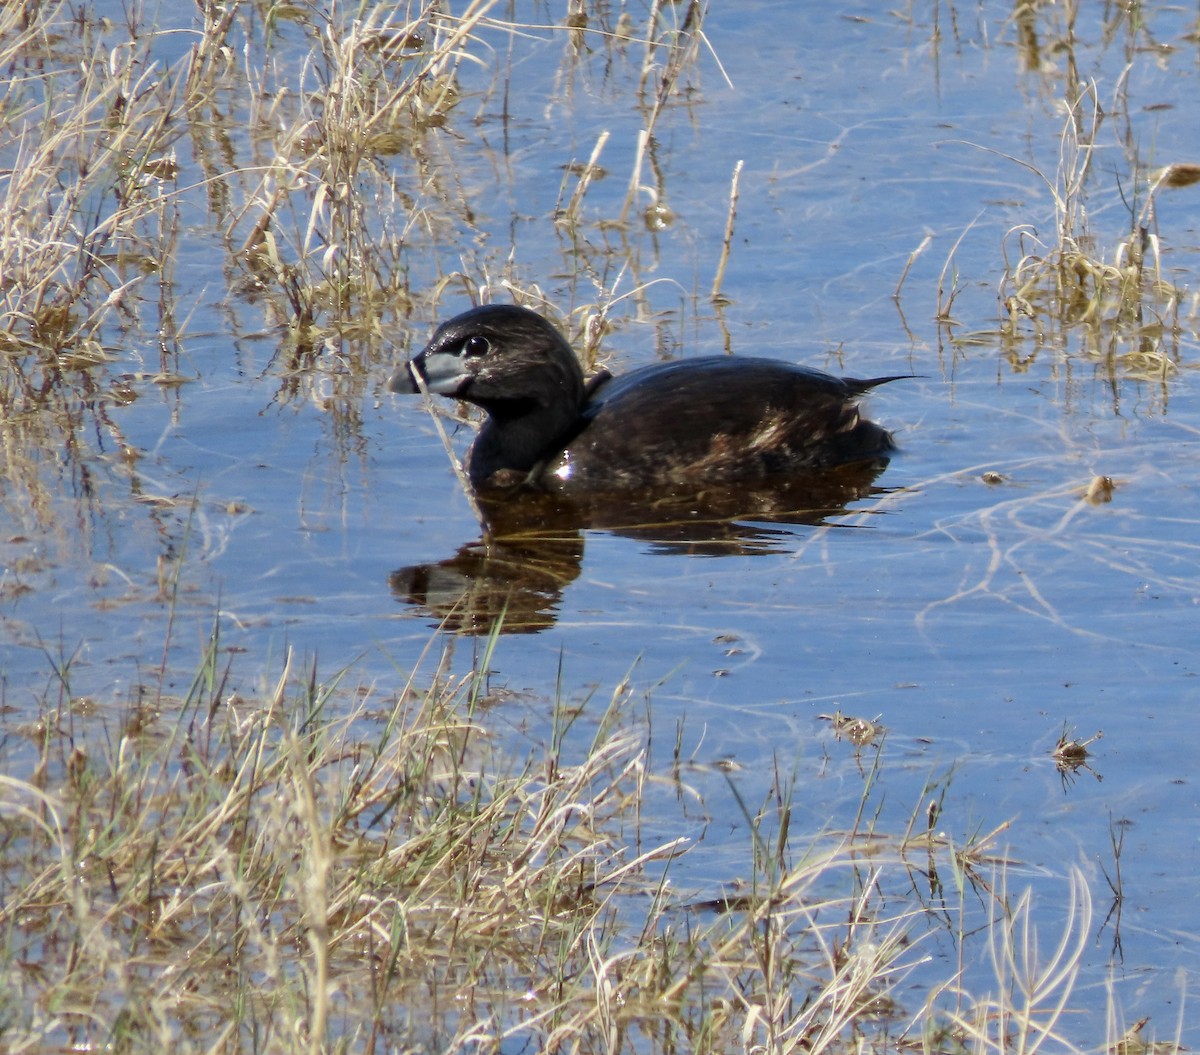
(688, 423)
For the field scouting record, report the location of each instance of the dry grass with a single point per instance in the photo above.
(1076, 281)
(308, 868)
(1112, 301)
(252, 874)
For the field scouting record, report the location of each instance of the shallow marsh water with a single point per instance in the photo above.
(977, 621)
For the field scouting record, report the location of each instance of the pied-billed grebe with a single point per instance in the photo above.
(688, 423)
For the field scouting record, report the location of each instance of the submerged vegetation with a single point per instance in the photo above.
(312, 865)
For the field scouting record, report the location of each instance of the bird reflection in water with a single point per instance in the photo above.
(533, 543)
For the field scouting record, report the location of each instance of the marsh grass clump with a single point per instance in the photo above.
(256, 873)
(311, 867)
(1114, 301)
(86, 135)
(88, 226)
(236, 871)
(110, 153)
(140, 163)
(326, 221)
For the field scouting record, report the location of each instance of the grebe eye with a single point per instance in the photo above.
(474, 347)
